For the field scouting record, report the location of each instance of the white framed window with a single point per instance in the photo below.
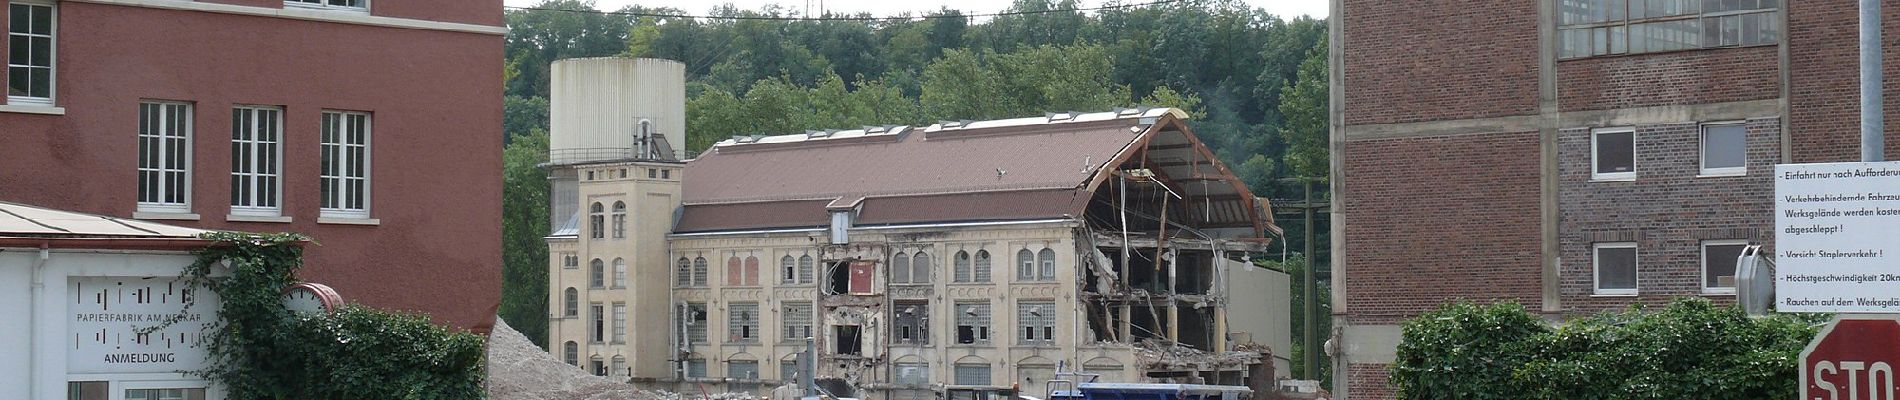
(1613, 154)
(1615, 268)
(30, 45)
(1047, 258)
(1025, 265)
(1037, 322)
(360, 5)
(570, 261)
(147, 390)
(1718, 265)
(256, 156)
(164, 157)
(620, 273)
(1724, 149)
(620, 220)
(345, 188)
(620, 322)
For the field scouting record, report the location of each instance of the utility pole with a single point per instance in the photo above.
(1309, 303)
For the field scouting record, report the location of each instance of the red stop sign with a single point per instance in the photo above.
(1853, 359)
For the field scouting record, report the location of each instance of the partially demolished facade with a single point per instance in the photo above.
(966, 255)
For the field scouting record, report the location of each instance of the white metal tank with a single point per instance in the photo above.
(614, 108)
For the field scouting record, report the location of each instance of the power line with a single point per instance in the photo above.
(845, 18)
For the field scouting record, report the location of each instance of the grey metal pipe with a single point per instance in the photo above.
(1872, 85)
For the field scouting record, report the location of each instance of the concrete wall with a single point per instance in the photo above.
(1258, 305)
(649, 217)
(434, 95)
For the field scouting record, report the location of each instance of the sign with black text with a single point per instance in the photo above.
(110, 320)
(1837, 237)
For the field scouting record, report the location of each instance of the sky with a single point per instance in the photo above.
(1283, 8)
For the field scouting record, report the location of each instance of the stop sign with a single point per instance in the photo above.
(1852, 359)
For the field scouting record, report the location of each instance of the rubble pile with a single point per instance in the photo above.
(520, 370)
(1162, 354)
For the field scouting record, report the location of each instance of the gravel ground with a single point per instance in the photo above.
(520, 370)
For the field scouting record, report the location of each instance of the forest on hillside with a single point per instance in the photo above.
(1255, 84)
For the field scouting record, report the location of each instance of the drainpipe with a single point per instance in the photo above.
(33, 386)
(1872, 100)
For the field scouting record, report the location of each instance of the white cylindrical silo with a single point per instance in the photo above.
(598, 105)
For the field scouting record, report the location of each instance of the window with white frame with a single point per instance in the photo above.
(620, 322)
(598, 327)
(620, 220)
(1724, 149)
(255, 154)
(742, 322)
(345, 187)
(1025, 265)
(1718, 265)
(1037, 321)
(336, 4)
(164, 157)
(165, 394)
(973, 321)
(1613, 154)
(1047, 258)
(795, 320)
(1615, 268)
(30, 52)
(596, 221)
(620, 273)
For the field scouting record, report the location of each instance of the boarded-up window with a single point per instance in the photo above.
(862, 273)
(920, 268)
(900, 268)
(751, 273)
(734, 275)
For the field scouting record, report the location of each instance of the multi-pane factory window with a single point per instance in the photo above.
(596, 274)
(573, 300)
(1606, 27)
(1037, 320)
(683, 273)
(962, 273)
(597, 329)
(344, 189)
(744, 371)
(30, 63)
(742, 323)
(596, 221)
(796, 320)
(788, 271)
(982, 273)
(912, 373)
(912, 322)
(699, 272)
(804, 269)
(571, 352)
(972, 375)
(620, 322)
(973, 321)
(696, 368)
(620, 219)
(693, 319)
(255, 155)
(1025, 265)
(164, 157)
(788, 371)
(620, 273)
(346, 4)
(1047, 258)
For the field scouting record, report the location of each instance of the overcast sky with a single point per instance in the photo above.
(1284, 8)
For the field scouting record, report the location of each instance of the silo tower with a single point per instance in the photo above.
(610, 109)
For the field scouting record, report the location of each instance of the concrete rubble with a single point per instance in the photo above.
(520, 370)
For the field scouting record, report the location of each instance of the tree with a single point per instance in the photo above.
(1305, 108)
(524, 221)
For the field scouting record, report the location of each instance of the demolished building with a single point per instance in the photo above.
(919, 261)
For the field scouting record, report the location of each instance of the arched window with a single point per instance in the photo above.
(620, 219)
(751, 271)
(982, 273)
(920, 268)
(962, 273)
(620, 367)
(683, 273)
(572, 352)
(699, 271)
(804, 269)
(733, 273)
(596, 222)
(620, 273)
(573, 303)
(1025, 265)
(597, 274)
(900, 268)
(1048, 259)
(788, 270)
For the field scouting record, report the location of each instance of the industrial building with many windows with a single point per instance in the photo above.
(1574, 156)
(920, 261)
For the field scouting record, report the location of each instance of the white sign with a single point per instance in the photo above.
(107, 314)
(1837, 237)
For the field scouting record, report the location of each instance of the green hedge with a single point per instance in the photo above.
(1691, 349)
(259, 350)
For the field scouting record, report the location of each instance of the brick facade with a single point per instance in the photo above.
(1477, 241)
(1668, 211)
(1688, 77)
(1824, 79)
(1423, 61)
(1368, 381)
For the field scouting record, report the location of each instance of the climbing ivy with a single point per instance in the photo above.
(1691, 349)
(259, 350)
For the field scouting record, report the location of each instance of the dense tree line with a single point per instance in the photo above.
(1255, 82)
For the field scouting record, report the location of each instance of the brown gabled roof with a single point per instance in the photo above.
(1016, 169)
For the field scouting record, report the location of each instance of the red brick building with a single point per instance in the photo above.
(1574, 156)
(372, 126)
